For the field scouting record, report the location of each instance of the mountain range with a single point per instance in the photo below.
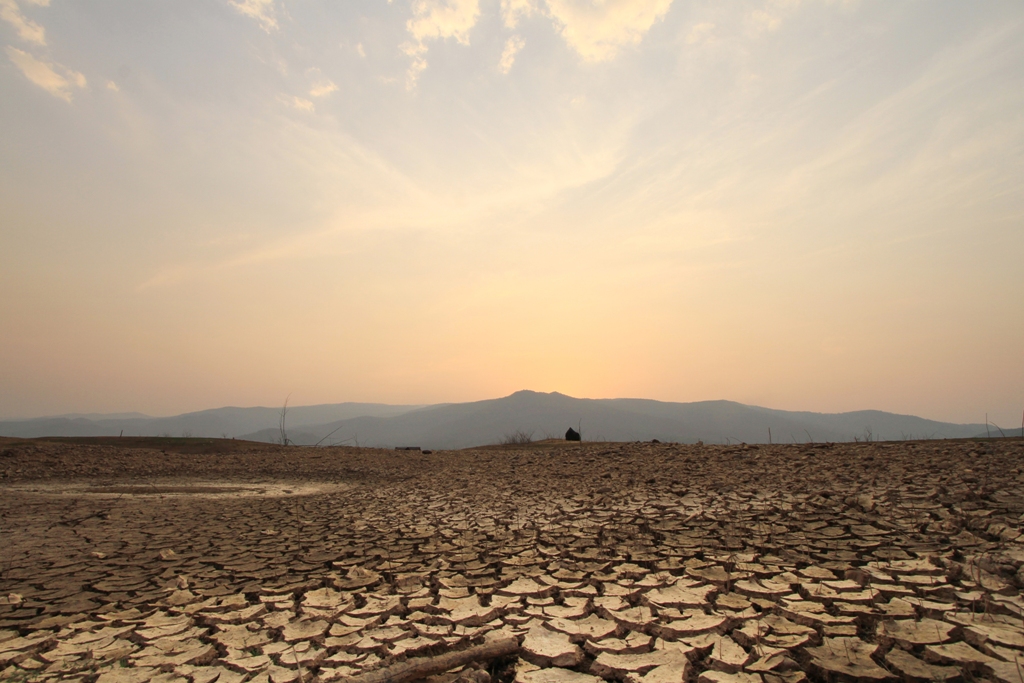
(540, 415)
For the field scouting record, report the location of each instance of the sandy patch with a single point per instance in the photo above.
(203, 489)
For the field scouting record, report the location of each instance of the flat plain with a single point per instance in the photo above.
(221, 561)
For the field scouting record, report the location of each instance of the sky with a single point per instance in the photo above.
(799, 204)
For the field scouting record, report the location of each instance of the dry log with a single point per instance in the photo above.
(421, 667)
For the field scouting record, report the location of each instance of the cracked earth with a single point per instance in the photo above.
(617, 562)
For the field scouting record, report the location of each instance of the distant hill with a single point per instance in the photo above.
(461, 425)
(218, 422)
(105, 416)
(994, 432)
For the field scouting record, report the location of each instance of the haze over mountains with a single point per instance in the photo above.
(228, 422)
(544, 415)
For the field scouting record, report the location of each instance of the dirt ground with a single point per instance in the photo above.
(206, 560)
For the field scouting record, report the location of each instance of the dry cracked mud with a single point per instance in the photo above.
(621, 562)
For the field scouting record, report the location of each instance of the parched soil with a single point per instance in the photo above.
(208, 562)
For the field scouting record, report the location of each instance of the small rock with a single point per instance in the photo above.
(728, 656)
(848, 656)
(548, 648)
(908, 633)
(913, 668)
(676, 672)
(960, 654)
(304, 630)
(554, 675)
(723, 677)
(617, 666)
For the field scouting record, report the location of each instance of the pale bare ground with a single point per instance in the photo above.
(203, 561)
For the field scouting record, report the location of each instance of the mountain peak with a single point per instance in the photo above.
(529, 392)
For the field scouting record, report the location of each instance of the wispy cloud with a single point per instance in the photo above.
(513, 10)
(440, 19)
(294, 246)
(769, 17)
(295, 102)
(28, 30)
(53, 78)
(321, 87)
(597, 30)
(508, 56)
(916, 144)
(437, 20)
(700, 33)
(261, 10)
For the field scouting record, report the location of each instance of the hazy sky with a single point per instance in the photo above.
(793, 203)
